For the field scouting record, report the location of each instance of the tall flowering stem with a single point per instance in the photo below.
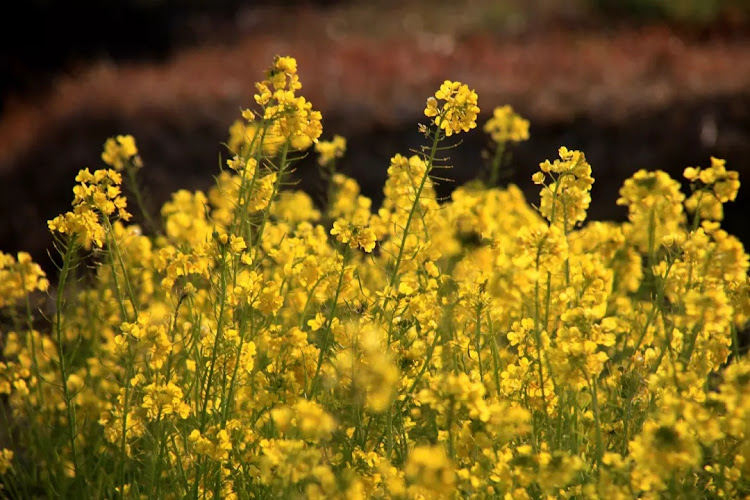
(453, 109)
(437, 135)
(67, 257)
(506, 126)
(325, 345)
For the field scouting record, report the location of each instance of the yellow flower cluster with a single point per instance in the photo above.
(19, 277)
(329, 151)
(430, 472)
(654, 202)
(459, 110)
(715, 186)
(564, 201)
(356, 236)
(258, 346)
(96, 198)
(507, 126)
(121, 151)
(290, 117)
(6, 457)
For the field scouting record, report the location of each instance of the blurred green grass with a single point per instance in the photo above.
(697, 13)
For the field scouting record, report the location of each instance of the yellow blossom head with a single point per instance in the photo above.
(453, 108)
(121, 151)
(329, 151)
(507, 126)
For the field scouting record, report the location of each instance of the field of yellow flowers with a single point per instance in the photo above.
(251, 345)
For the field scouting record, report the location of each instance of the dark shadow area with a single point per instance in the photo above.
(40, 39)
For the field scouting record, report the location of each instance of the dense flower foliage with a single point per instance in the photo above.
(254, 346)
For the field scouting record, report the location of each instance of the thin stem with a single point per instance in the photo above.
(112, 242)
(496, 164)
(30, 325)
(59, 304)
(133, 185)
(413, 210)
(329, 323)
(597, 420)
(230, 395)
(478, 334)
(217, 340)
(267, 210)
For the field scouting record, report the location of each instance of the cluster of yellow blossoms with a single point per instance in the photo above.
(19, 277)
(459, 110)
(507, 126)
(255, 346)
(121, 151)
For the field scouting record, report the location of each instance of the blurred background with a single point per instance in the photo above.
(655, 84)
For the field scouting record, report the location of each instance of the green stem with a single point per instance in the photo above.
(626, 425)
(404, 400)
(230, 394)
(133, 186)
(112, 241)
(59, 304)
(597, 421)
(478, 341)
(329, 323)
(30, 325)
(125, 411)
(449, 425)
(414, 206)
(496, 164)
(240, 220)
(495, 361)
(212, 364)
(267, 210)
(538, 341)
(217, 340)
(389, 433)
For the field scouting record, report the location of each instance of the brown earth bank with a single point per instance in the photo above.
(630, 98)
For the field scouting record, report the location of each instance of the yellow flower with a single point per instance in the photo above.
(282, 418)
(317, 322)
(312, 421)
(712, 187)
(655, 208)
(661, 450)
(237, 244)
(269, 301)
(295, 207)
(121, 151)
(544, 247)
(6, 457)
(565, 200)
(486, 350)
(19, 277)
(430, 471)
(459, 110)
(354, 235)
(97, 195)
(164, 400)
(292, 119)
(507, 126)
(328, 151)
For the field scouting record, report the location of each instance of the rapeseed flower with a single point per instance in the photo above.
(478, 346)
(507, 126)
(458, 111)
